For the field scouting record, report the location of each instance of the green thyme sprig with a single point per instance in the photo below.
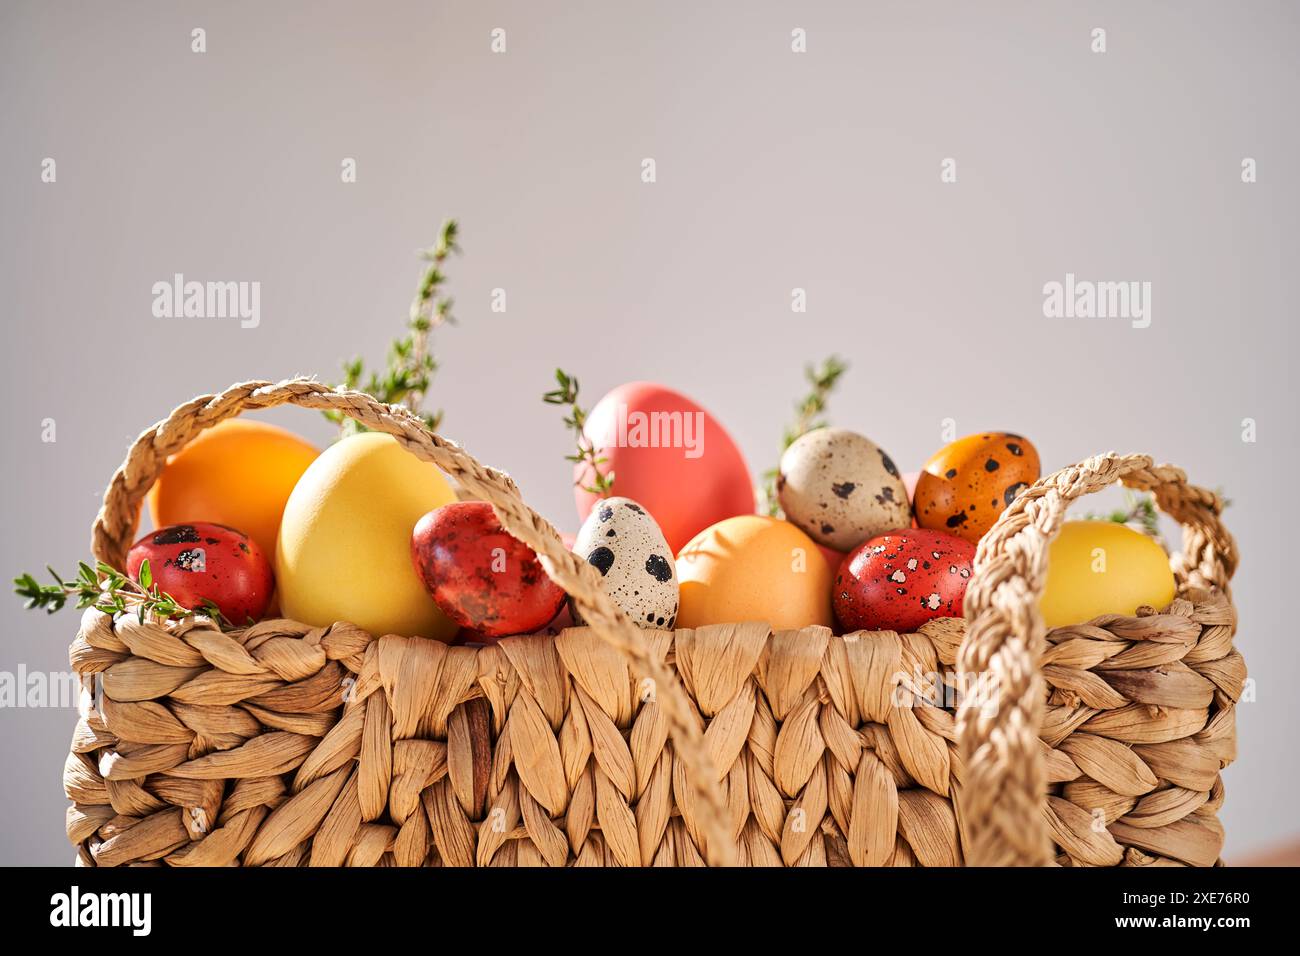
(809, 414)
(110, 591)
(411, 364)
(567, 394)
(1139, 512)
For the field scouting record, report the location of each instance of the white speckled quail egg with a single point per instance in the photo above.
(622, 541)
(841, 488)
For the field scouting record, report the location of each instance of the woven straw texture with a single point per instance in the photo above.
(282, 744)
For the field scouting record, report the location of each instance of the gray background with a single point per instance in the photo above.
(775, 170)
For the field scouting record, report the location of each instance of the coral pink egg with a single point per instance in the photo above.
(910, 479)
(833, 557)
(669, 454)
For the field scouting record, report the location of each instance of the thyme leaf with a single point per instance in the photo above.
(602, 482)
(110, 591)
(406, 378)
(809, 414)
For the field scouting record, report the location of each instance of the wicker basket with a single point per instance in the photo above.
(283, 744)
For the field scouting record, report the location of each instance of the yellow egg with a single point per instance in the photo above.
(1103, 567)
(753, 568)
(344, 550)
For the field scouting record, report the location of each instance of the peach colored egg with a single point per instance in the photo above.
(753, 568)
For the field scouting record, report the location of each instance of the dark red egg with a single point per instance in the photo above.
(201, 562)
(900, 580)
(467, 636)
(481, 577)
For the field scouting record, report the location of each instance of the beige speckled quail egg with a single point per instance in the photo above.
(841, 488)
(622, 541)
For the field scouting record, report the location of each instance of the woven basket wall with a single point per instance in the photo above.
(281, 744)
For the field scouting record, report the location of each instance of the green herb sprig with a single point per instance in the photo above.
(411, 364)
(602, 483)
(110, 591)
(1139, 512)
(809, 414)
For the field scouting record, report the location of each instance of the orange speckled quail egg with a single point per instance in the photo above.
(966, 485)
(841, 488)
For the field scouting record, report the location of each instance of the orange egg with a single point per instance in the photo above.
(237, 473)
(753, 568)
(967, 484)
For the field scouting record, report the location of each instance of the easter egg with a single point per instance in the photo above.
(552, 628)
(623, 542)
(833, 557)
(669, 454)
(900, 580)
(344, 551)
(967, 484)
(237, 473)
(479, 575)
(753, 568)
(201, 562)
(841, 488)
(910, 479)
(1103, 567)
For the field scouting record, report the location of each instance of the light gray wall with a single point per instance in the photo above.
(775, 170)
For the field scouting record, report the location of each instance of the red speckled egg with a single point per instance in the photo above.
(669, 455)
(900, 580)
(201, 562)
(479, 575)
(968, 483)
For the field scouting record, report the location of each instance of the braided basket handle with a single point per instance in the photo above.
(115, 528)
(1003, 792)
